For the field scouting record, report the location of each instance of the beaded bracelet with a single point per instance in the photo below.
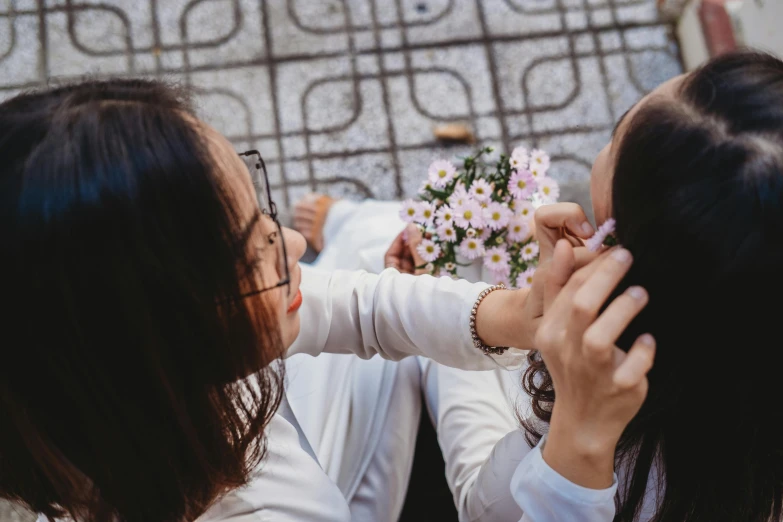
(477, 342)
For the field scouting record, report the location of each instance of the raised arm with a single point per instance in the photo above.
(396, 315)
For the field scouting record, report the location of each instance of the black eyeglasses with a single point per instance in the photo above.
(257, 168)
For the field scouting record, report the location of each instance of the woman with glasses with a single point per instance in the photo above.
(151, 295)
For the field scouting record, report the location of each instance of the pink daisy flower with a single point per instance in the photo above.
(459, 196)
(446, 232)
(445, 215)
(481, 190)
(539, 158)
(548, 189)
(428, 250)
(525, 279)
(469, 214)
(409, 211)
(518, 229)
(441, 172)
(485, 233)
(530, 251)
(426, 213)
(497, 260)
(595, 242)
(519, 158)
(524, 209)
(497, 215)
(472, 248)
(521, 185)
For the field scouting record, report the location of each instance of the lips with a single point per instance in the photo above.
(296, 303)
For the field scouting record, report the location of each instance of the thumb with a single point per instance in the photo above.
(562, 266)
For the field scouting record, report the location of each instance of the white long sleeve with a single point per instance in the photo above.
(546, 496)
(393, 315)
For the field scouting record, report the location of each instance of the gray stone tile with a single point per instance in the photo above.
(19, 50)
(521, 17)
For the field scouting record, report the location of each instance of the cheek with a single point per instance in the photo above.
(601, 186)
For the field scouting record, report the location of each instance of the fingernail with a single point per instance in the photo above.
(622, 255)
(647, 339)
(587, 228)
(637, 292)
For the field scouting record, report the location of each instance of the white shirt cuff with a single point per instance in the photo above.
(545, 495)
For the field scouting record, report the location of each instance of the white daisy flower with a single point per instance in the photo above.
(446, 232)
(472, 248)
(469, 214)
(525, 279)
(530, 251)
(428, 250)
(426, 213)
(496, 215)
(524, 209)
(481, 190)
(497, 260)
(539, 158)
(518, 229)
(409, 211)
(519, 158)
(470, 232)
(445, 215)
(548, 189)
(441, 172)
(450, 267)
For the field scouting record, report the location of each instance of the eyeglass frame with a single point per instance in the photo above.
(272, 214)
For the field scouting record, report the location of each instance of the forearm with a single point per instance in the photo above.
(392, 315)
(500, 321)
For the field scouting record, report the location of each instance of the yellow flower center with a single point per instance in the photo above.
(524, 212)
(411, 211)
(496, 258)
(495, 216)
(430, 249)
(517, 228)
(442, 173)
(471, 244)
(521, 184)
(529, 280)
(545, 190)
(479, 190)
(427, 213)
(468, 214)
(449, 232)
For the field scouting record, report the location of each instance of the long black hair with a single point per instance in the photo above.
(698, 198)
(124, 334)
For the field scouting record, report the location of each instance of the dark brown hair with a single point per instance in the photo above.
(125, 340)
(698, 199)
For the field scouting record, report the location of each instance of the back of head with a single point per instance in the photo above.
(698, 198)
(124, 334)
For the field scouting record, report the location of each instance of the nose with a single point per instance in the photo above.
(295, 246)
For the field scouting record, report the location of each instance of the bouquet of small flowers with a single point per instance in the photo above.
(483, 211)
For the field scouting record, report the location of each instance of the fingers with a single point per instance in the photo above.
(394, 255)
(557, 221)
(591, 295)
(559, 271)
(599, 339)
(415, 238)
(636, 364)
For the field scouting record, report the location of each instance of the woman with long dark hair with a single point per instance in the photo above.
(151, 293)
(694, 179)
